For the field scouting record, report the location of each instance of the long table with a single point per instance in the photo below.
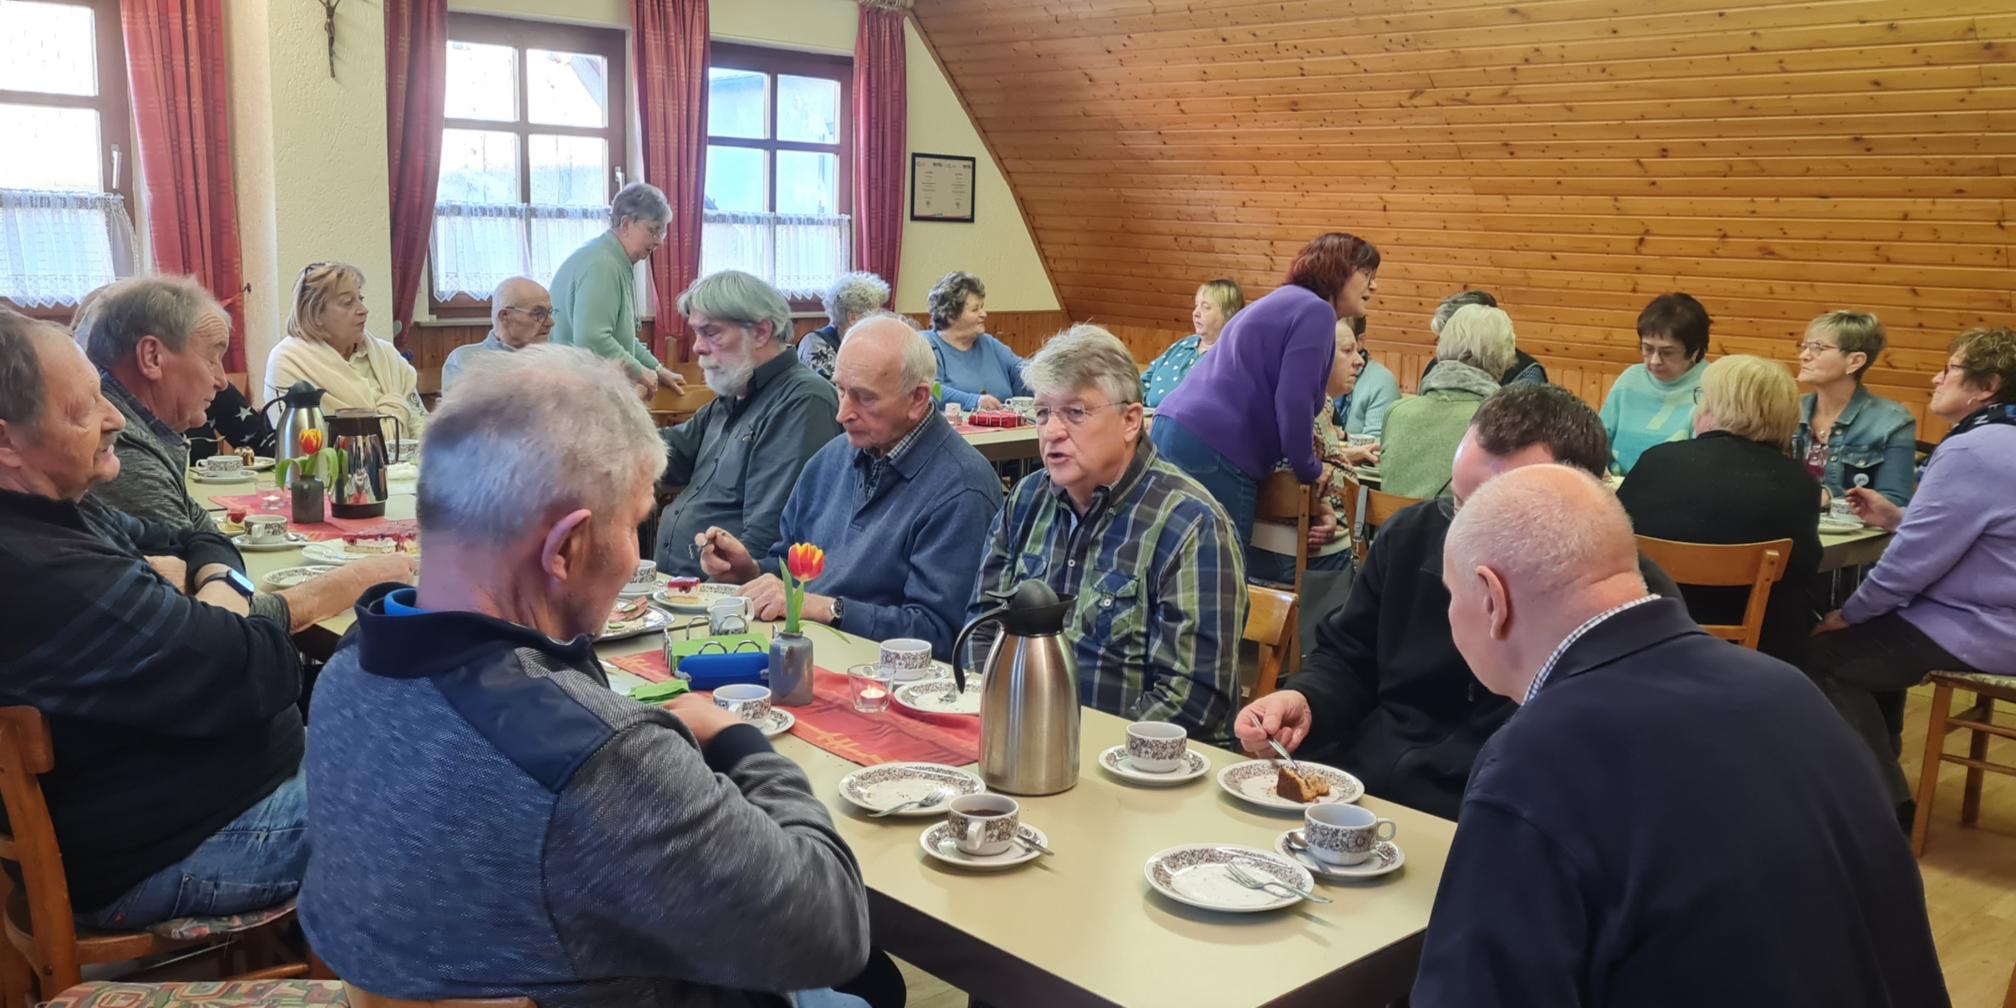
(1005, 444)
(1083, 928)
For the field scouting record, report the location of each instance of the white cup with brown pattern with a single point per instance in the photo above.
(984, 825)
(1156, 746)
(1344, 834)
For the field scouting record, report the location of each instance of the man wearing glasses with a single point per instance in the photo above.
(1151, 559)
(521, 314)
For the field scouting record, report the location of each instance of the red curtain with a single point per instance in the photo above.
(416, 85)
(671, 50)
(176, 59)
(879, 150)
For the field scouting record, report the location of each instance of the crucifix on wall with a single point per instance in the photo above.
(329, 29)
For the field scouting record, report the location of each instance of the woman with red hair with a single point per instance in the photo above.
(1253, 401)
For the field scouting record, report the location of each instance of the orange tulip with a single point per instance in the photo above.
(805, 561)
(311, 441)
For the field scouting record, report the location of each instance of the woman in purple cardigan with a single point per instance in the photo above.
(1944, 595)
(1253, 401)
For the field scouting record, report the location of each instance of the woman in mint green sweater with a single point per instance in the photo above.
(1653, 402)
(594, 292)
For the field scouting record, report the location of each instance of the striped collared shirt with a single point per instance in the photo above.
(872, 466)
(1569, 641)
(1160, 585)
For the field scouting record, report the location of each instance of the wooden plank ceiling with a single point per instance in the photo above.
(1574, 157)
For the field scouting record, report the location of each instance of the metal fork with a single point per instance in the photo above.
(928, 801)
(1278, 750)
(1251, 881)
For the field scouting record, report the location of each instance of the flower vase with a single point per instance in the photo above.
(308, 500)
(790, 669)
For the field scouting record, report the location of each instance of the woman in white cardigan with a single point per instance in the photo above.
(327, 347)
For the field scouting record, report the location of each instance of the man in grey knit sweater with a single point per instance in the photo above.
(486, 818)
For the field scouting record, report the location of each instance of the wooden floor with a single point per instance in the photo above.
(1969, 872)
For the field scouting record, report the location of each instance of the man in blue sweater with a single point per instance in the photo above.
(899, 501)
(1668, 819)
(488, 819)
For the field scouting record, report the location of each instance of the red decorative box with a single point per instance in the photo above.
(995, 418)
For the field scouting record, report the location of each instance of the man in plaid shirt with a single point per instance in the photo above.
(1151, 559)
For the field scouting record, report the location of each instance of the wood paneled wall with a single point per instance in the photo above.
(1574, 157)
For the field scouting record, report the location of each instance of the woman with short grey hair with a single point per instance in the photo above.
(975, 370)
(850, 299)
(1421, 435)
(595, 291)
(1524, 367)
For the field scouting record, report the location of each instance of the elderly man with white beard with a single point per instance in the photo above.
(739, 457)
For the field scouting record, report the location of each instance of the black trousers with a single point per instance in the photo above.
(1864, 671)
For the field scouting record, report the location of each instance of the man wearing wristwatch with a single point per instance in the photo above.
(899, 501)
(176, 790)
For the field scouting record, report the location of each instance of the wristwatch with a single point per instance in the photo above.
(837, 603)
(238, 582)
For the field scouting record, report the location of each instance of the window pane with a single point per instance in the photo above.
(50, 48)
(808, 183)
(808, 110)
(478, 166)
(566, 89)
(736, 179)
(482, 82)
(64, 142)
(569, 170)
(738, 103)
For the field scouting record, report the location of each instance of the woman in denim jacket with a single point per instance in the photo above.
(1844, 432)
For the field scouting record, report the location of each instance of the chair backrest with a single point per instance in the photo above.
(358, 998)
(30, 843)
(1283, 499)
(669, 407)
(1375, 508)
(1757, 565)
(1270, 623)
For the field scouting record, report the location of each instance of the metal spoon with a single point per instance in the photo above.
(1026, 839)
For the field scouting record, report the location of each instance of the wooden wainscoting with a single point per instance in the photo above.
(1574, 157)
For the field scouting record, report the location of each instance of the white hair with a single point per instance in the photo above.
(1545, 528)
(167, 308)
(740, 298)
(639, 201)
(497, 299)
(1480, 337)
(854, 294)
(548, 429)
(1085, 356)
(920, 365)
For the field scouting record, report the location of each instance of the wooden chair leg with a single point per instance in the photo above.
(1977, 750)
(17, 979)
(1928, 775)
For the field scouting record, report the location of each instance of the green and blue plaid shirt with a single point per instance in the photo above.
(1160, 586)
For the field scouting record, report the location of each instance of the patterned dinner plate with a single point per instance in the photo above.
(1196, 874)
(236, 476)
(1836, 524)
(940, 696)
(937, 841)
(336, 551)
(1115, 762)
(1253, 783)
(288, 577)
(874, 788)
(779, 722)
(294, 540)
(644, 622)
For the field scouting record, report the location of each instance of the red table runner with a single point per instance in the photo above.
(831, 722)
(330, 528)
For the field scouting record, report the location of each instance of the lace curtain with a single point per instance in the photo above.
(476, 246)
(799, 254)
(56, 246)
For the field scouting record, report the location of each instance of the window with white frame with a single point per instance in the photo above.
(778, 153)
(531, 149)
(64, 225)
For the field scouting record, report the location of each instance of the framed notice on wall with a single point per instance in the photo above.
(941, 188)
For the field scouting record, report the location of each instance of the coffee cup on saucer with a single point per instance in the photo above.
(728, 615)
(983, 825)
(1344, 834)
(1156, 746)
(265, 528)
(747, 701)
(220, 465)
(906, 658)
(643, 579)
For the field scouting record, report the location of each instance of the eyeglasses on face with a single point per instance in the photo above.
(535, 314)
(1816, 347)
(1073, 416)
(1662, 352)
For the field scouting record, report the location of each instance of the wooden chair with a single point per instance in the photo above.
(1283, 499)
(669, 408)
(1758, 565)
(1375, 508)
(44, 945)
(1270, 623)
(1980, 721)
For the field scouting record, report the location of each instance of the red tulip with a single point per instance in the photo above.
(805, 561)
(311, 441)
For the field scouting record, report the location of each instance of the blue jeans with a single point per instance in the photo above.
(254, 862)
(1235, 492)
